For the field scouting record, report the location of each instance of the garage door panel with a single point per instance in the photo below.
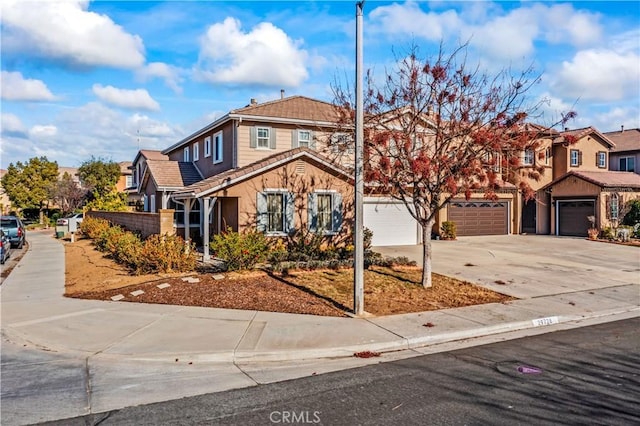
(391, 224)
(572, 217)
(479, 218)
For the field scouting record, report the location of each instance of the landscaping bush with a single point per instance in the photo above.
(449, 230)
(607, 233)
(92, 227)
(633, 214)
(166, 253)
(240, 250)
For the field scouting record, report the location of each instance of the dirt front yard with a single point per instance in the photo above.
(90, 275)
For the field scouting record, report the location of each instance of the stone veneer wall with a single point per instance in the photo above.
(144, 223)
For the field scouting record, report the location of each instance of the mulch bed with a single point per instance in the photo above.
(252, 293)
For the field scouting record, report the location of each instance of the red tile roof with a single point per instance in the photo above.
(606, 179)
(625, 140)
(580, 133)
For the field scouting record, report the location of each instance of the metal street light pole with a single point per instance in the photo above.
(358, 269)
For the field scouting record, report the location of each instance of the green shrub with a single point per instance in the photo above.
(607, 233)
(128, 250)
(92, 227)
(165, 253)
(240, 250)
(633, 215)
(449, 230)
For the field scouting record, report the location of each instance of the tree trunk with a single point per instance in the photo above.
(426, 254)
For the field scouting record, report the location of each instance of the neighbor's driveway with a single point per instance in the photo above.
(527, 266)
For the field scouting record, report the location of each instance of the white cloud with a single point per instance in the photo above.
(94, 129)
(563, 24)
(123, 98)
(14, 87)
(599, 75)
(263, 56)
(409, 18)
(40, 131)
(67, 31)
(11, 123)
(611, 120)
(170, 74)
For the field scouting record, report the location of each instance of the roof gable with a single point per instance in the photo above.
(582, 133)
(172, 174)
(625, 140)
(150, 154)
(235, 176)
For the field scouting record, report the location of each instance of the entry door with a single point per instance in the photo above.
(528, 216)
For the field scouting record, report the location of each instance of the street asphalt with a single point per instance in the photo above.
(66, 357)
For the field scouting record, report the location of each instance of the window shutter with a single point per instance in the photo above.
(312, 141)
(597, 158)
(294, 138)
(608, 207)
(253, 138)
(272, 138)
(336, 217)
(312, 211)
(579, 158)
(289, 208)
(261, 212)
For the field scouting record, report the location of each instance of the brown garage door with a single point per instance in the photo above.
(572, 217)
(479, 217)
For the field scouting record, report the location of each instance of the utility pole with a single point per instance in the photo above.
(358, 255)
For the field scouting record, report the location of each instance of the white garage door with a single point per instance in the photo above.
(391, 224)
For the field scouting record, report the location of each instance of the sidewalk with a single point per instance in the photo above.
(118, 341)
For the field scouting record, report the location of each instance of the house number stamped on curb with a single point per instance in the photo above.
(545, 321)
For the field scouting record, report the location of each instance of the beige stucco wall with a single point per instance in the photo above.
(589, 148)
(145, 223)
(298, 177)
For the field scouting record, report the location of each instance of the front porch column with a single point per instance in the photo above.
(187, 225)
(207, 207)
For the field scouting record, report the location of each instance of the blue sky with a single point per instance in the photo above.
(104, 78)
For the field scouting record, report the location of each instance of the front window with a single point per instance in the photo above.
(325, 210)
(262, 137)
(207, 146)
(304, 138)
(275, 212)
(217, 143)
(529, 157)
(196, 151)
(575, 158)
(129, 179)
(602, 160)
(628, 164)
(614, 207)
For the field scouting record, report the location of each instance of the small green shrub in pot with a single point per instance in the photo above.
(448, 230)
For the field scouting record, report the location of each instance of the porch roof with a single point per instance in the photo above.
(231, 177)
(172, 174)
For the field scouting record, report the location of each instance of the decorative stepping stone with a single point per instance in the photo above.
(117, 297)
(194, 280)
(163, 285)
(137, 292)
(218, 277)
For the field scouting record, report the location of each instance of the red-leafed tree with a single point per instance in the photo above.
(436, 129)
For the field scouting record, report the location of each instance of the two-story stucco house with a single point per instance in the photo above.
(583, 186)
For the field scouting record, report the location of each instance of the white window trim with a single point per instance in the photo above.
(219, 150)
(258, 138)
(306, 141)
(333, 194)
(626, 163)
(577, 162)
(283, 193)
(614, 201)
(528, 157)
(185, 154)
(547, 155)
(207, 146)
(602, 159)
(196, 151)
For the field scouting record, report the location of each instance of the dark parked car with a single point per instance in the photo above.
(5, 247)
(13, 227)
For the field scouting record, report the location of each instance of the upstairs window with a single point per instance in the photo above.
(262, 137)
(575, 157)
(529, 157)
(547, 156)
(601, 159)
(185, 154)
(302, 138)
(207, 146)
(217, 148)
(627, 164)
(129, 179)
(196, 151)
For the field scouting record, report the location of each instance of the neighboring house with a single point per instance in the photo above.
(5, 202)
(569, 201)
(126, 184)
(626, 154)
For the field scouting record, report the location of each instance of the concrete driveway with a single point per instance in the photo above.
(527, 266)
